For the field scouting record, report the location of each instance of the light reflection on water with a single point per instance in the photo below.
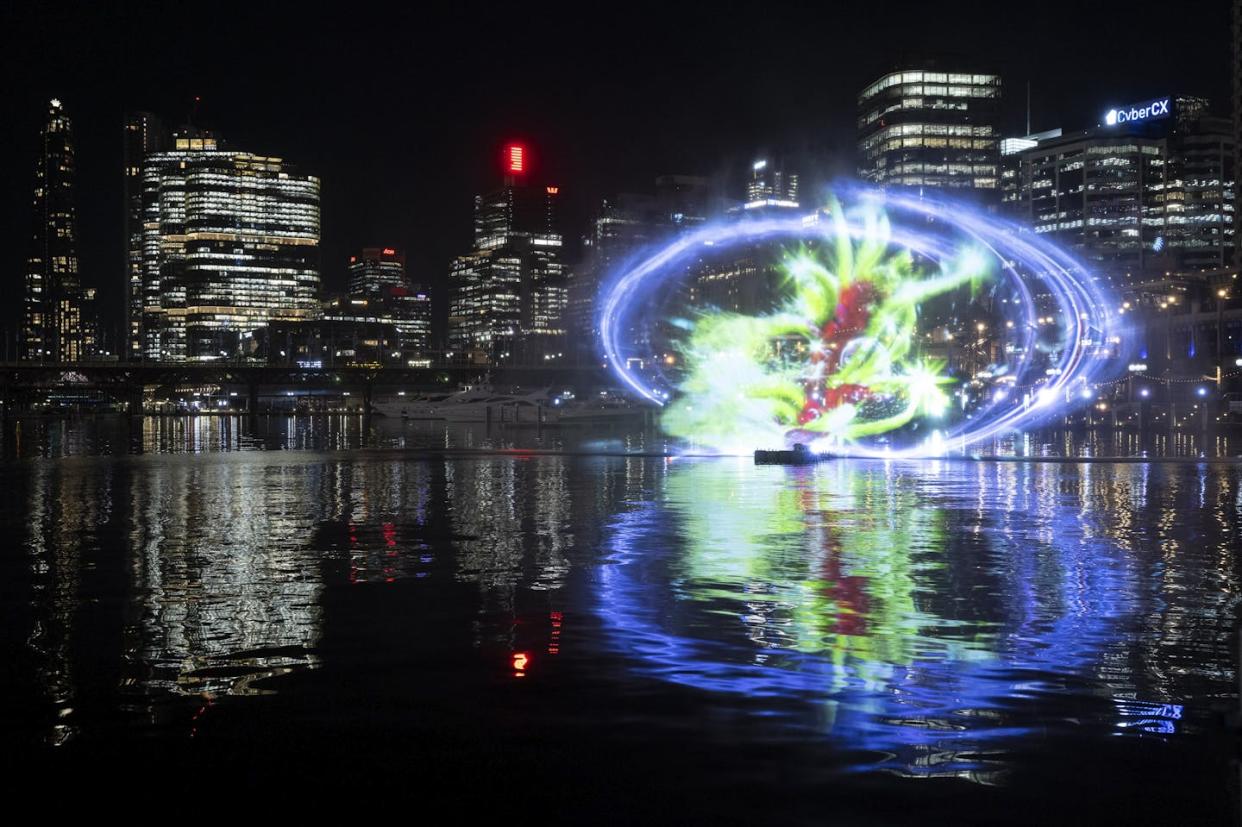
(926, 618)
(915, 606)
(115, 435)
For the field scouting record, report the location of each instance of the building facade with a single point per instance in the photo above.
(508, 296)
(58, 320)
(622, 228)
(374, 269)
(230, 243)
(1237, 120)
(1132, 197)
(926, 128)
(330, 341)
(746, 278)
(143, 135)
(378, 281)
(771, 184)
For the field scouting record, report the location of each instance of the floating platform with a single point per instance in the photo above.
(798, 455)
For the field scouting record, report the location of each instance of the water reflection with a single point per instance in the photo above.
(925, 612)
(118, 435)
(227, 591)
(925, 618)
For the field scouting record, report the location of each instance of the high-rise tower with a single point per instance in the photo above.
(57, 320)
(1237, 119)
(509, 295)
(143, 135)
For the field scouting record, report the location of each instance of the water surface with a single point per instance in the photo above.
(332, 605)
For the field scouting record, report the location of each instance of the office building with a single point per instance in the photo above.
(622, 229)
(1200, 210)
(353, 340)
(771, 185)
(928, 128)
(409, 306)
(1147, 191)
(58, 323)
(746, 278)
(374, 269)
(1237, 120)
(230, 243)
(143, 135)
(378, 281)
(509, 294)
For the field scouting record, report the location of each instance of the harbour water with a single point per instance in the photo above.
(536, 623)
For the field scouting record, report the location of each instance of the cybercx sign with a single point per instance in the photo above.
(1136, 113)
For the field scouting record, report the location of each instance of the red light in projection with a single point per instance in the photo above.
(520, 660)
(515, 158)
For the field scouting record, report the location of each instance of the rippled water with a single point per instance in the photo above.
(617, 637)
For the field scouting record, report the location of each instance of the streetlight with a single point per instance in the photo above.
(1221, 295)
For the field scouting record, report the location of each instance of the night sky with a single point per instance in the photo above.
(402, 114)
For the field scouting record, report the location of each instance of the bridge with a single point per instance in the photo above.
(126, 382)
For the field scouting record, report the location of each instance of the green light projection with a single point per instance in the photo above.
(837, 359)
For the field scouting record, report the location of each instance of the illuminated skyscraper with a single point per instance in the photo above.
(58, 318)
(922, 127)
(745, 278)
(410, 308)
(771, 184)
(1237, 120)
(1200, 209)
(1148, 190)
(143, 135)
(509, 295)
(378, 278)
(230, 242)
(374, 269)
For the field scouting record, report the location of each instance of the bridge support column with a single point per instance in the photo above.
(368, 392)
(252, 399)
(133, 400)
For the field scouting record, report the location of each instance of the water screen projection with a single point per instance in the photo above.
(879, 324)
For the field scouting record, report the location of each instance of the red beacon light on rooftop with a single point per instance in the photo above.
(515, 158)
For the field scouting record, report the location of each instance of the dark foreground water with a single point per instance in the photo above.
(543, 638)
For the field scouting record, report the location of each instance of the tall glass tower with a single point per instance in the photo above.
(143, 135)
(931, 128)
(57, 321)
(508, 297)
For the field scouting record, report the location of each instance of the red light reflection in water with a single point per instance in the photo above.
(554, 642)
(208, 700)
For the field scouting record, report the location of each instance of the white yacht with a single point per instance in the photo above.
(479, 404)
(604, 408)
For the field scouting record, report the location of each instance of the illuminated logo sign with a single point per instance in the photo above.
(1146, 111)
(553, 190)
(515, 158)
(388, 251)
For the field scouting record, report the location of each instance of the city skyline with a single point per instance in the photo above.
(420, 200)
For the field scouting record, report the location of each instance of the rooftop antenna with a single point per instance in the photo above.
(194, 109)
(1028, 107)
